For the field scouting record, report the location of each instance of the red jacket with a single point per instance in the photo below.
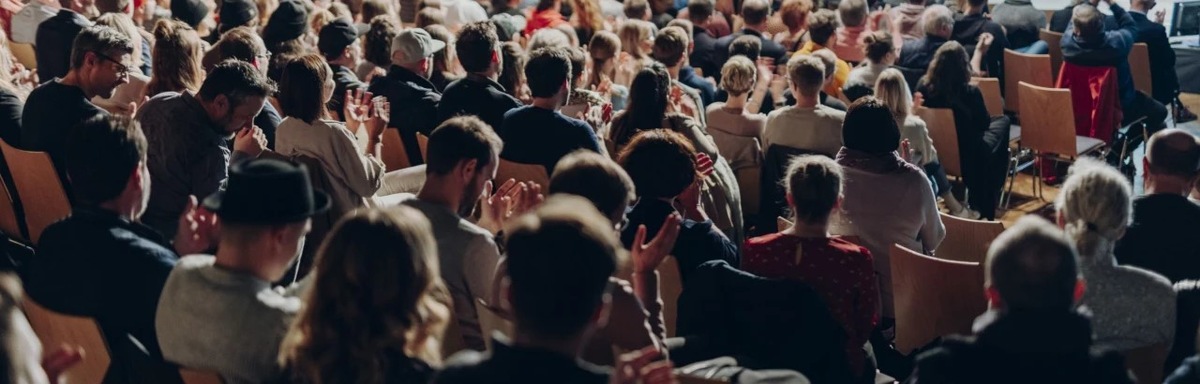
(549, 18)
(1094, 99)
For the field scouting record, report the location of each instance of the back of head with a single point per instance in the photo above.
(548, 37)
(829, 59)
(376, 290)
(377, 43)
(700, 10)
(374, 8)
(175, 62)
(1096, 205)
(604, 46)
(636, 9)
(1032, 266)
(822, 25)
(302, 87)
(102, 153)
(738, 76)
(853, 12)
(660, 163)
(237, 81)
(647, 103)
(892, 90)
(670, 46)
(877, 45)
(807, 73)
(547, 71)
(99, 40)
(755, 12)
(814, 183)
(461, 139)
(241, 43)
(870, 127)
(949, 72)
(512, 72)
(560, 257)
(937, 20)
(793, 13)
(476, 44)
(430, 16)
(121, 23)
(113, 6)
(1087, 20)
(686, 25)
(579, 62)
(1173, 152)
(749, 46)
(594, 177)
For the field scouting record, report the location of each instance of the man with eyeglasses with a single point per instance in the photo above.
(100, 61)
(413, 98)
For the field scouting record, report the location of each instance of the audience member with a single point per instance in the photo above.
(243, 44)
(974, 28)
(808, 125)
(538, 133)
(23, 359)
(880, 54)
(589, 19)
(1062, 18)
(670, 49)
(407, 88)
(666, 173)
(794, 15)
(101, 60)
(376, 307)
(704, 45)
(545, 15)
(735, 129)
(1094, 208)
(15, 84)
(982, 139)
(462, 158)
(24, 23)
(445, 64)
(938, 25)
(285, 34)
(1164, 80)
(196, 14)
(219, 313)
(128, 95)
(512, 76)
(430, 16)
(822, 26)
(377, 48)
(887, 200)
(849, 43)
(637, 10)
(594, 108)
(460, 13)
(754, 16)
(176, 61)
(188, 135)
(1161, 236)
(833, 72)
(910, 19)
(637, 40)
(339, 44)
(687, 74)
(748, 46)
(840, 271)
(608, 75)
(55, 38)
(548, 37)
(1021, 22)
(478, 94)
(236, 13)
(1032, 331)
(1088, 42)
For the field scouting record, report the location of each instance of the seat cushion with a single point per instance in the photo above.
(1084, 144)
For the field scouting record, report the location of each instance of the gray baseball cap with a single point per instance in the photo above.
(416, 44)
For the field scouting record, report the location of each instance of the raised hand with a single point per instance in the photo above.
(645, 366)
(510, 200)
(647, 256)
(250, 140)
(1160, 16)
(704, 165)
(62, 359)
(379, 115)
(985, 42)
(918, 100)
(197, 229)
(906, 150)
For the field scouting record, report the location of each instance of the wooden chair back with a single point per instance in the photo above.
(38, 187)
(670, 286)
(1019, 67)
(967, 240)
(24, 54)
(521, 172)
(195, 376)
(1146, 363)
(782, 223)
(393, 153)
(1139, 67)
(944, 133)
(423, 144)
(54, 329)
(990, 87)
(1047, 120)
(1054, 40)
(933, 297)
(490, 322)
(748, 183)
(9, 224)
(1049, 14)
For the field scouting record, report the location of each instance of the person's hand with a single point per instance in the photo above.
(250, 140)
(529, 195)
(647, 256)
(197, 229)
(985, 42)
(704, 165)
(1160, 16)
(874, 21)
(376, 72)
(357, 105)
(906, 150)
(12, 6)
(380, 113)
(626, 68)
(918, 100)
(510, 200)
(605, 86)
(675, 99)
(62, 359)
(645, 366)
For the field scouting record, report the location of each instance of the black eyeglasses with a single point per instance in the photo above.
(122, 69)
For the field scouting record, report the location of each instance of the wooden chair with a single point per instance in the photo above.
(1054, 40)
(9, 224)
(1139, 67)
(782, 223)
(1019, 67)
(967, 240)
(194, 376)
(490, 322)
(1049, 14)
(933, 297)
(521, 172)
(748, 183)
(990, 87)
(393, 154)
(670, 286)
(54, 329)
(41, 193)
(1146, 363)
(24, 54)
(944, 133)
(423, 144)
(1048, 127)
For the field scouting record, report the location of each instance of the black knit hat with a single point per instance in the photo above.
(236, 13)
(191, 12)
(289, 21)
(870, 127)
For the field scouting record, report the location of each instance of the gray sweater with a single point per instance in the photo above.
(1020, 20)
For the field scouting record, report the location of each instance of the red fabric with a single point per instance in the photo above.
(1094, 98)
(544, 19)
(841, 272)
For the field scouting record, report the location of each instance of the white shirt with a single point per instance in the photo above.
(25, 22)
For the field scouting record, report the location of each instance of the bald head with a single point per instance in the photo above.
(1173, 153)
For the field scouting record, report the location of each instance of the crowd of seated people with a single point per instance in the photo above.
(572, 191)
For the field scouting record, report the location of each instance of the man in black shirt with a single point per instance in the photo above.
(478, 93)
(539, 133)
(755, 14)
(413, 99)
(52, 45)
(1164, 234)
(100, 61)
(339, 44)
(704, 45)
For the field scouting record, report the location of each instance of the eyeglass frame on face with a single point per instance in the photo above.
(122, 69)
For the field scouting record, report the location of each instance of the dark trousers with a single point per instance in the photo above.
(984, 167)
(1145, 106)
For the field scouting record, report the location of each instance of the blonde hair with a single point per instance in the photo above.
(892, 90)
(633, 33)
(807, 73)
(738, 75)
(1096, 205)
(815, 183)
(376, 292)
(604, 47)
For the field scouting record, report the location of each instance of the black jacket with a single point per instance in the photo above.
(1163, 237)
(704, 53)
(414, 105)
(53, 43)
(343, 79)
(1022, 348)
(770, 48)
(967, 29)
(1162, 57)
(479, 96)
(917, 54)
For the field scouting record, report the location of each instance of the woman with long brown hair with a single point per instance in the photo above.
(176, 64)
(377, 306)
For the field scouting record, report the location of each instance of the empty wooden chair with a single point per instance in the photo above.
(1054, 40)
(1146, 363)
(944, 133)
(24, 54)
(933, 297)
(9, 223)
(195, 376)
(1019, 67)
(423, 144)
(967, 240)
(41, 193)
(670, 286)
(1048, 127)
(393, 154)
(990, 87)
(54, 329)
(491, 321)
(521, 172)
(1139, 67)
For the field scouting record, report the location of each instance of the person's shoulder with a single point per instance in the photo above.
(830, 113)
(1148, 280)
(850, 249)
(764, 241)
(466, 366)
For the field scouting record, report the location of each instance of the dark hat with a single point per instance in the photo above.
(236, 13)
(870, 127)
(336, 36)
(191, 12)
(267, 191)
(288, 22)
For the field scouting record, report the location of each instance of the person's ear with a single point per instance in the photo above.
(136, 181)
(1146, 166)
(790, 201)
(467, 170)
(346, 54)
(993, 297)
(838, 204)
(1080, 289)
(496, 56)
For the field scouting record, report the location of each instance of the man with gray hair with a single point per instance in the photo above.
(407, 87)
(1032, 332)
(938, 24)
